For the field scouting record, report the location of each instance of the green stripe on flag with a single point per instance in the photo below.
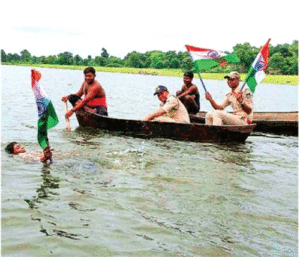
(204, 64)
(47, 121)
(250, 80)
(234, 58)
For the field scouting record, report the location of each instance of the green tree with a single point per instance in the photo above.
(277, 63)
(85, 62)
(292, 66)
(90, 61)
(25, 56)
(182, 55)
(134, 59)
(35, 60)
(172, 60)
(51, 59)
(43, 60)
(13, 58)
(65, 58)
(115, 62)
(294, 48)
(78, 60)
(104, 53)
(247, 55)
(100, 61)
(174, 63)
(284, 59)
(284, 50)
(186, 62)
(158, 59)
(3, 56)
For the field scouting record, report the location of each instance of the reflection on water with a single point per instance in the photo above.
(115, 195)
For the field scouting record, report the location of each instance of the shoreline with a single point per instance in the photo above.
(270, 79)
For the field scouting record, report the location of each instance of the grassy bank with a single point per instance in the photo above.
(271, 79)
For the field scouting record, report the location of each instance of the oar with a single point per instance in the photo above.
(67, 119)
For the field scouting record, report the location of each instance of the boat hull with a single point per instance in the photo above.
(285, 123)
(179, 131)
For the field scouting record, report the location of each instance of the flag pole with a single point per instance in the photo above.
(51, 158)
(202, 82)
(244, 84)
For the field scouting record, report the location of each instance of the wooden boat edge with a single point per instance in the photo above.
(180, 131)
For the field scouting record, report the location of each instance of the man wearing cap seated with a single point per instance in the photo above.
(241, 103)
(171, 108)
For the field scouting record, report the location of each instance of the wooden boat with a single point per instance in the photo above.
(269, 122)
(179, 131)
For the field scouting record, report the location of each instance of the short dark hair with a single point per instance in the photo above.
(189, 74)
(89, 69)
(10, 147)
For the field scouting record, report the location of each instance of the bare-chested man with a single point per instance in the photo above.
(94, 95)
(189, 94)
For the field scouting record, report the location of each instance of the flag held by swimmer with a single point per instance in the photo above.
(205, 59)
(47, 117)
(257, 71)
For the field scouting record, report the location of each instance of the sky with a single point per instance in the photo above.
(85, 27)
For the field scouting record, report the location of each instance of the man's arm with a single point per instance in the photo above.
(159, 112)
(243, 103)
(179, 92)
(190, 91)
(47, 154)
(79, 93)
(212, 102)
(91, 95)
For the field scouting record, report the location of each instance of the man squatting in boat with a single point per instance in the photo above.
(189, 94)
(241, 103)
(94, 95)
(171, 108)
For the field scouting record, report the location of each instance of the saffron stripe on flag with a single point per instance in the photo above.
(257, 71)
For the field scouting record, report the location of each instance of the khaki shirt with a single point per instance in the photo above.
(236, 106)
(175, 109)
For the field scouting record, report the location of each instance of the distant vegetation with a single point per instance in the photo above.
(271, 79)
(283, 60)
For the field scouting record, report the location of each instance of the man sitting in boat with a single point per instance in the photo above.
(241, 103)
(189, 94)
(171, 108)
(94, 95)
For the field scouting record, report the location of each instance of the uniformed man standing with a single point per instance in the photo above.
(241, 103)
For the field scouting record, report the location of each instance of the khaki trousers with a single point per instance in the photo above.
(219, 117)
(164, 118)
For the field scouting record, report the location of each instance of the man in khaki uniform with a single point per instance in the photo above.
(171, 108)
(241, 103)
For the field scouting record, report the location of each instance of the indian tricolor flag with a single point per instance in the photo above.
(205, 59)
(257, 71)
(47, 117)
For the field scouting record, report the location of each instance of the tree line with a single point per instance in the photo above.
(283, 59)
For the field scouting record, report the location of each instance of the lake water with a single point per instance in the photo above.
(110, 195)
